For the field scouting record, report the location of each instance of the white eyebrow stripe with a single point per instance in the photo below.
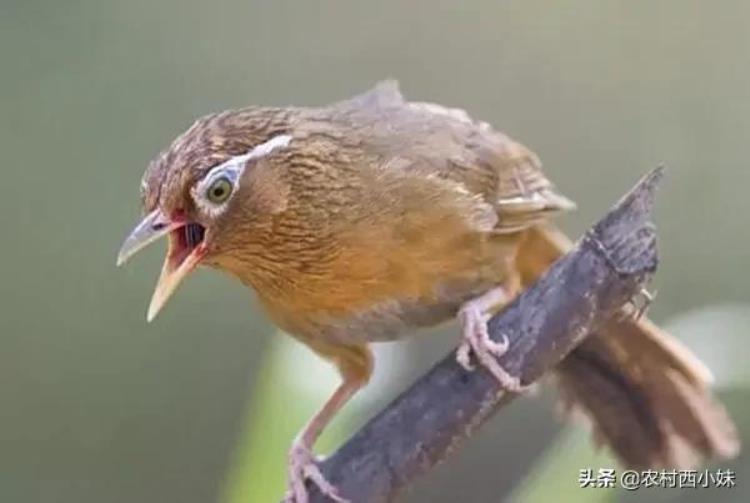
(235, 167)
(238, 162)
(269, 146)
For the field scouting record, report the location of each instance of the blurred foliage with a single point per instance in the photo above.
(98, 406)
(284, 397)
(291, 385)
(555, 477)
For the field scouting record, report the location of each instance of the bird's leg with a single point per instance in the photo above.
(355, 364)
(302, 462)
(473, 316)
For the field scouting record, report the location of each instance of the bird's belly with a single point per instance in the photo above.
(387, 320)
(378, 298)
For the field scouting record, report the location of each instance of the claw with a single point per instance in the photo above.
(498, 348)
(476, 339)
(638, 305)
(647, 299)
(303, 466)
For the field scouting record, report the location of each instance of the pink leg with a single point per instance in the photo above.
(473, 317)
(356, 366)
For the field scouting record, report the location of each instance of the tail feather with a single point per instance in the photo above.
(645, 393)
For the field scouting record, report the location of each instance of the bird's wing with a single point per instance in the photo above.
(505, 172)
(447, 143)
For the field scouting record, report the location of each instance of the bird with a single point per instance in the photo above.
(364, 220)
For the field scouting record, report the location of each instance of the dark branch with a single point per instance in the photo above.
(608, 267)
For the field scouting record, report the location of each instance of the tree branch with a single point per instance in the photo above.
(582, 290)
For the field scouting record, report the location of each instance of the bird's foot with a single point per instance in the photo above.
(476, 339)
(642, 302)
(302, 466)
(637, 306)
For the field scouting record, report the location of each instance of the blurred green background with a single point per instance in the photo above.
(97, 406)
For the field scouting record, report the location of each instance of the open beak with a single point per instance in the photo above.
(185, 250)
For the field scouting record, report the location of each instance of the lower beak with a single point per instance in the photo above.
(185, 251)
(179, 262)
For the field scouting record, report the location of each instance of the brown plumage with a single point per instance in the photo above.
(646, 395)
(361, 221)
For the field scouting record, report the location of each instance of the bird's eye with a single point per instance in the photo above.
(220, 190)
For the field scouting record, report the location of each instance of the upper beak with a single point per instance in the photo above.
(186, 249)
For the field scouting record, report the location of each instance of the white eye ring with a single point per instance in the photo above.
(231, 170)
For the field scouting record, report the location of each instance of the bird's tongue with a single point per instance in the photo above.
(186, 249)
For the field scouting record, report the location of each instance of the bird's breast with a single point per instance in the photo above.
(380, 295)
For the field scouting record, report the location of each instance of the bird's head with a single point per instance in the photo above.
(215, 183)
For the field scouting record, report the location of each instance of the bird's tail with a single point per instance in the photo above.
(646, 394)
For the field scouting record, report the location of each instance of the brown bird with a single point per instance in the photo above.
(361, 221)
